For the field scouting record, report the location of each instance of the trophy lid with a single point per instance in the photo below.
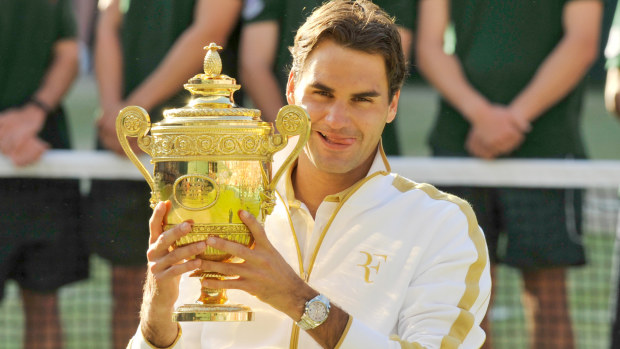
(212, 96)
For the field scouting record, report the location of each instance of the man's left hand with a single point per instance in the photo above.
(263, 273)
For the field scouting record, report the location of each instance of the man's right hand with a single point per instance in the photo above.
(106, 129)
(165, 267)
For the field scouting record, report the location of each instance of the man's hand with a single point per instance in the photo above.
(17, 125)
(264, 273)
(165, 267)
(106, 129)
(28, 151)
(498, 132)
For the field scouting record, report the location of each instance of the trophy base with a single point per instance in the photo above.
(213, 312)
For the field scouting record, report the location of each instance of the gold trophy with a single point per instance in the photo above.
(211, 159)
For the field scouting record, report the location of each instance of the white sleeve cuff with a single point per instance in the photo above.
(361, 336)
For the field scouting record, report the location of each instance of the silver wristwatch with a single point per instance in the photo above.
(315, 313)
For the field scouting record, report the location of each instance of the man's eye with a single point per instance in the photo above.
(322, 93)
(362, 99)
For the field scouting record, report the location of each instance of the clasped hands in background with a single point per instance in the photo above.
(19, 128)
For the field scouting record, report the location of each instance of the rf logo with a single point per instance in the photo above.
(373, 261)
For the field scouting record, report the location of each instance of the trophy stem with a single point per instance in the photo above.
(212, 305)
(212, 295)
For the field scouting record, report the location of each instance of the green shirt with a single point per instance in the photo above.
(500, 45)
(150, 28)
(291, 14)
(28, 31)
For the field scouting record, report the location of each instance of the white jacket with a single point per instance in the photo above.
(408, 263)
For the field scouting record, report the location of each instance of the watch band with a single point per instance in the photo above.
(40, 104)
(307, 322)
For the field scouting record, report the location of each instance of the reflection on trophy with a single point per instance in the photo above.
(212, 159)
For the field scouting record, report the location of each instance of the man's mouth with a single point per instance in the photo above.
(335, 139)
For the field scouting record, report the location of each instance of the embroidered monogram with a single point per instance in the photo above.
(375, 260)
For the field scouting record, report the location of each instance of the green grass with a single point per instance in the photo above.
(86, 306)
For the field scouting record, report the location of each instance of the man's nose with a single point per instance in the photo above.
(338, 114)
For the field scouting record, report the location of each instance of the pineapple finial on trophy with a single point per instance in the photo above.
(213, 62)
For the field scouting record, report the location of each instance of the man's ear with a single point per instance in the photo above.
(290, 89)
(393, 108)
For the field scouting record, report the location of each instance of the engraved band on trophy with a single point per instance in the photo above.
(211, 159)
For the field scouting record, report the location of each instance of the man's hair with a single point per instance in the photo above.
(355, 24)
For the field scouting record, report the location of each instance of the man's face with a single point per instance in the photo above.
(346, 94)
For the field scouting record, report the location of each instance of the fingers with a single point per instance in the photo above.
(7, 144)
(225, 268)
(232, 248)
(157, 219)
(110, 141)
(156, 226)
(257, 229)
(174, 260)
(239, 250)
(28, 151)
(106, 124)
(477, 149)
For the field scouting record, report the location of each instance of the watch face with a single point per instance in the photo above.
(317, 311)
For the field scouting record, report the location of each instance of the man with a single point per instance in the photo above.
(40, 247)
(513, 88)
(268, 32)
(396, 263)
(144, 51)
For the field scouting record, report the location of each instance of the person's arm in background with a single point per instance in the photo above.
(567, 64)
(259, 44)
(612, 91)
(109, 70)
(213, 22)
(406, 38)
(612, 54)
(499, 128)
(19, 127)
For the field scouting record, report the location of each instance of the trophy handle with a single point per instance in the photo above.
(292, 120)
(134, 121)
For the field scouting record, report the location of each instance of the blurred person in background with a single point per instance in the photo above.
(513, 89)
(612, 103)
(86, 13)
(145, 50)
(268, 32)
(40, 246)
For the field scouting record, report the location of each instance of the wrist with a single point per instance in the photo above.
(476, 111)
(157, 341)
(520, 118)
(34, 117)
(39, 104)
(316, 312)
(296, 304)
